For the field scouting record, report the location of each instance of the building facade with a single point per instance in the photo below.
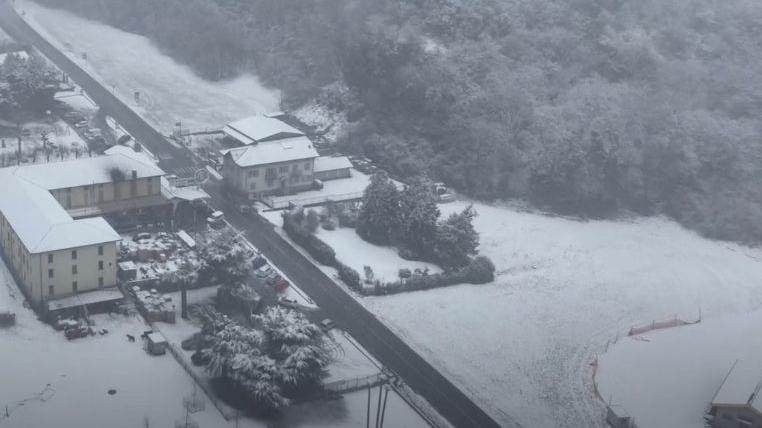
(49, 235)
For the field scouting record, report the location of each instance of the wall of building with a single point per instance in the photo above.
(256, 179)
(102, 194)
(333, 174)
(32, 270)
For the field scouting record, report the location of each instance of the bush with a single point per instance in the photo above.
(321, 251)
(480, 270)
(348, 275)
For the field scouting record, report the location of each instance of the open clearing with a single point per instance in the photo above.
(522, 346)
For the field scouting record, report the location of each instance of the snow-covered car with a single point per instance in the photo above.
(265, 271)
(77, 332)
(289, 303)
(216, 220)
(258, 262)
(327, 324)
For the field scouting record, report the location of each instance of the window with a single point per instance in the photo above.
(283, 169)
(100, 265)
(307, 166)
(100, 282)
(253, 186)
(100, 193)
(50, 290)
(149, 183)
(50, 258)
(253, 173)
(74, 255)
(100, 250)
(74, 286)
(50, 273)
(73, 269)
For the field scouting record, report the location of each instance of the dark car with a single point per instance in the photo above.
(76, 332)
(258, 262)
(200, 358)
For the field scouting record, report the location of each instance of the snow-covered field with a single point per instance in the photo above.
(669, 377)
(354, 252)
(169, 92)
(522, 346)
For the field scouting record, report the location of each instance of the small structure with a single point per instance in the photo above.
(738, 402)
(7, 318)
(127, 271)
(332, 167)
(157, 344)
(186, 239)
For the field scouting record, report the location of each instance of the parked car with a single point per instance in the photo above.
(289, 303)
(258, 262)
(247, 209)
(281, 284)
(327, 324)
(216, 220)
(77, 332)
(273, 279)
(264, 271)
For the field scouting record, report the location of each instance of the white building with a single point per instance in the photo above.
(48, 235)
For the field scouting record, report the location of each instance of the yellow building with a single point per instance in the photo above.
(52, 251)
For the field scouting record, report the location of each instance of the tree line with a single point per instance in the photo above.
(588, 107)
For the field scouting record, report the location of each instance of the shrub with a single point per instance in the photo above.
(348, 275)
(321, 251)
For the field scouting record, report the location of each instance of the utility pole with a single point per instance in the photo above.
(367, 413)
(18, 158)
(378, 406)
(383, 410)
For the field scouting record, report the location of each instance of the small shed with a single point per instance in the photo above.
(128, 271)
(157, 344)
(332, 167)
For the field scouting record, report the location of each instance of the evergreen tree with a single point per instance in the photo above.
(419, 214)
(457, 239)
(379, 218)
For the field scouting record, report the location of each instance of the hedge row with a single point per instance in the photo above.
(320, 251)
(479, 271)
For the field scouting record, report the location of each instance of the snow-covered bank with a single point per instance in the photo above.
(168, 92)
(522, 346)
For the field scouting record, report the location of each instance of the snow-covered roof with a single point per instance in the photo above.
(259, 128)
(88, 171)
(156, 337)
(41, 223)
(330, 163)
(86, 298)
(742, 386)
(285, 150)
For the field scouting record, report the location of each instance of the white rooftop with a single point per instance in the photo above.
(41, 223)
(86, 298)
(330, 163)
(88, 171)
(259, 128)
(742, 386)
(264, 153)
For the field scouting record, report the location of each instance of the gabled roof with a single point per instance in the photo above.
(259, 129)
(330, 163)
(741, 386)
(41, 223)
(285, 150)
(87, 171)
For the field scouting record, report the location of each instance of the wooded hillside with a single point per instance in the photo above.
(582, 106)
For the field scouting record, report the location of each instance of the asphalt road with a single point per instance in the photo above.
(172, 159)
(350, 315)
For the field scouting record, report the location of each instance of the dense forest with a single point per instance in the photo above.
(589, 107)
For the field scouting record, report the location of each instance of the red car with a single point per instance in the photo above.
(281, 284)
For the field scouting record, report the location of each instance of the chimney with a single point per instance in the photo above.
(134, 174)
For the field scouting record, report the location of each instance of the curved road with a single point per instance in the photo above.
(372, 334)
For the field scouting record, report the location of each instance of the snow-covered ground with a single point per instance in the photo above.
(49, 381)
(522, 346)
(354, 252)
(667, 378)
(168, 92)
(59, 134)
(79, 101)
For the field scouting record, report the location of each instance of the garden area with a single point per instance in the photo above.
(393, 241)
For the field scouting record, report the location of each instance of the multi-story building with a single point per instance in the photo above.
(273, 158)
(48, 235)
